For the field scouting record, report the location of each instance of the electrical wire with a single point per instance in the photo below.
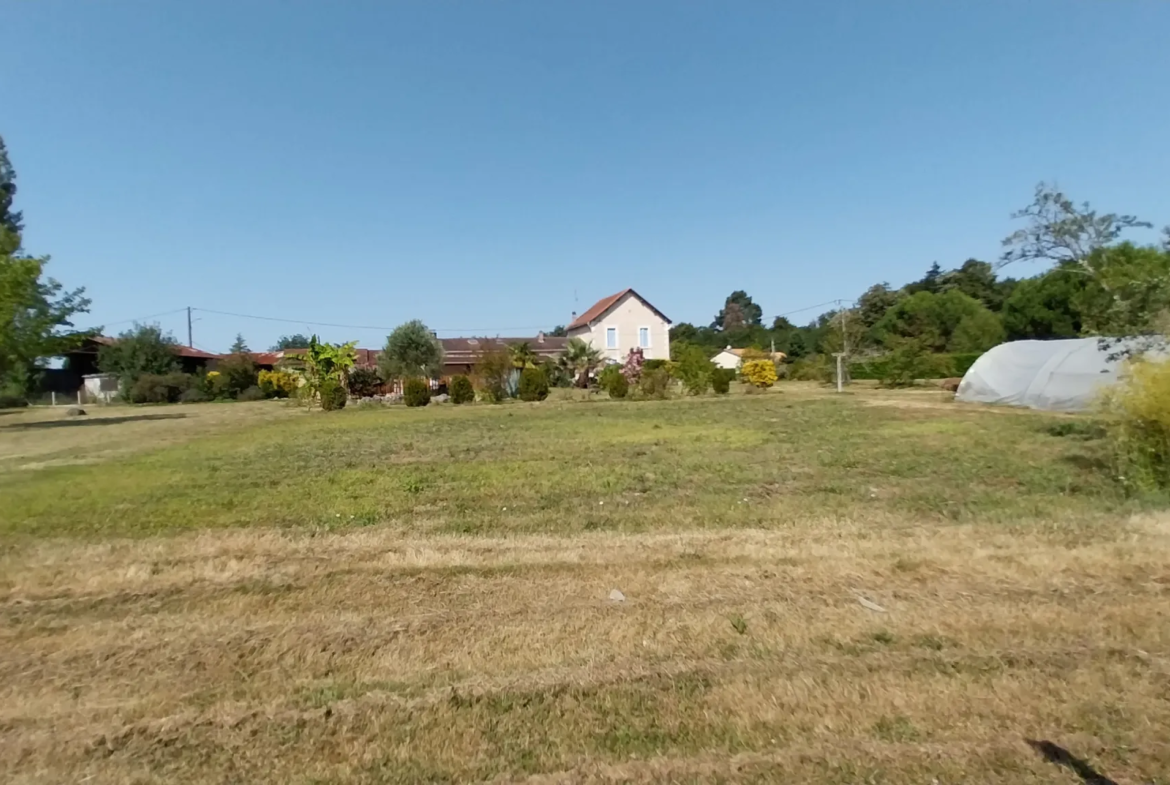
(477, 330)
(143, 318)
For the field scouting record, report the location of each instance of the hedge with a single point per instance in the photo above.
(942, 366)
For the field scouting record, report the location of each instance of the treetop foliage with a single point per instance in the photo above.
(412, 350)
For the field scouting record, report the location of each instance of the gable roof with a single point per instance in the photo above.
(739, 353)
(599, 308)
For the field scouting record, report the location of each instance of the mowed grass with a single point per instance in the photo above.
(405, 596)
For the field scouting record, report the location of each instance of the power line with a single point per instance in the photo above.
(143, 318)
(808, 308)
(480, 330)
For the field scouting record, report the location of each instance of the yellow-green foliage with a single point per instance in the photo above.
(278, 384)
(1139, 427)
(759, 373)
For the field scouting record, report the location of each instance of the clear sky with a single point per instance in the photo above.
(490, 167)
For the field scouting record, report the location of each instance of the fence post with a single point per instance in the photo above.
(53, 396)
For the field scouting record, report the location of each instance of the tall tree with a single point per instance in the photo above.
(239, 346)
(1058, 230)
(36, 312)
(874, 302)
(950, 321)
(143, 349)
(742, 309)
(295, 341)
(1047, 306)
(10, 220)
(558, 332)
(975, 279)
(931, 282)
(412, 350)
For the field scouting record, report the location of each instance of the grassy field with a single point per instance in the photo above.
(875, 587)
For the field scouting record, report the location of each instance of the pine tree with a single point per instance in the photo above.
(240, 346)
(10, 220)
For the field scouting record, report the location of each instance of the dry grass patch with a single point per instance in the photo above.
(365, 656)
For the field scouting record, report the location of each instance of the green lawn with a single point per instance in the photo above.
(738, 462)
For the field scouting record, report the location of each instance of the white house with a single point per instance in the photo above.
(731, 359)
(621, 322)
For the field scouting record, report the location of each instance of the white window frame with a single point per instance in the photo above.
(648, 343)
(616, 343)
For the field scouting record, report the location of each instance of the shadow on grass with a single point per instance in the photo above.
(1061, 757)
(71, 422)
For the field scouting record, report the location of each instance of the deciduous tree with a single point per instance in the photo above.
(411, 350)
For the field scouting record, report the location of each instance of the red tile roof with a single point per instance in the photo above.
(605, 303)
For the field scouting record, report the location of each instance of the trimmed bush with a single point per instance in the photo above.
(812, 369)
(655, 365)
(416, 392)
(194, 395)
(252, 393)
(333, 395)
(721, 380)
(608, 375)
(364, 383)
(759, 373)
(533, 385)
(618, 386)
(905, 366)
(461, 390)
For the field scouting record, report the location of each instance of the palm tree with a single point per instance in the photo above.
(523, 356)
(579, 359)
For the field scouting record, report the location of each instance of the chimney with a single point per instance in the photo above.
(573, 318)
(540, 337)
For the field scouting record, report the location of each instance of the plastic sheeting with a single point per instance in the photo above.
(1060, 376)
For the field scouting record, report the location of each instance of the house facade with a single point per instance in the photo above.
(621, 322)
(731, 359)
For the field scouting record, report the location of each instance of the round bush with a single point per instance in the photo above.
(721, 380)
(416, 392)
(617, 386)
(533, 385)
(252, 393)
(461, 390)
(333, 395)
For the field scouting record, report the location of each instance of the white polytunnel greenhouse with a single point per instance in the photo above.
(1059, 376)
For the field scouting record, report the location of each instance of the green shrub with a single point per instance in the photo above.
(461, 390)
(364, 382)
(721, 379)
(416, 392)
(253, 393)
(818, 368)
(655, 384)
(533, 385)
(1138, 412)
(655, 365)
(608, 375)
(935, 366)
(12, 401)
(237, 373)
(159, 388)
(694, 370)
(194, 395)
(333, 395)
(905, 365)
(618, 386)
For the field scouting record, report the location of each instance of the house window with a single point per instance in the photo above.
(611, 338)
(644, 337)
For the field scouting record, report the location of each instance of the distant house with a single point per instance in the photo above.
(461, 355)
(731, 359)
(621, 322)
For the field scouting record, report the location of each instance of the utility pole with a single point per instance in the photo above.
(190, 340)
(844, 353)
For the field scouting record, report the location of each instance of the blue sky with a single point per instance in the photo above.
(490, 167)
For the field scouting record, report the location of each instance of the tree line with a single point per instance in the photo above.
(1094, 284)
